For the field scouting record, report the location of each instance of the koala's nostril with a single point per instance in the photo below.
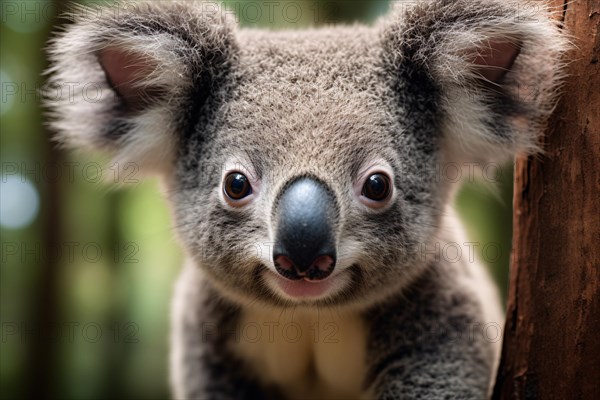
(285, 267)
(323, 263)
(284, 263)
(319, 269)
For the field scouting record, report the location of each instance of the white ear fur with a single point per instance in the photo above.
(99, 87)
(498, 65)
(118, 78)
(502, 87)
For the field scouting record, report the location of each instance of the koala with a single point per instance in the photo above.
(299, 166)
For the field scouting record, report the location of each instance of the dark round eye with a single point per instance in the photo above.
(237, 186)
(377, 187)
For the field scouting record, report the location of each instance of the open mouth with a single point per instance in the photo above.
(305, 288)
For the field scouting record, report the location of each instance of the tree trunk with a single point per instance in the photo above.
(552, 336)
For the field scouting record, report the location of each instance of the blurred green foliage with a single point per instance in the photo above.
(108, 312)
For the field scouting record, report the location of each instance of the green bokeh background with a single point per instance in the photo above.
(88, 325)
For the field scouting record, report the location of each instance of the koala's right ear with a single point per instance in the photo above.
(491, 69)
(128, 81)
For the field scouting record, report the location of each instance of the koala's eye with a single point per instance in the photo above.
(237, 186)
(377, 187)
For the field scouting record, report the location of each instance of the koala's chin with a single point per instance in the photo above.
(305, 173)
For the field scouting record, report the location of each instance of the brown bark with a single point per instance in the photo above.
(552, 336)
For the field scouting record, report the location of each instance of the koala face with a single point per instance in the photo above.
(300, 165)
(332, 199)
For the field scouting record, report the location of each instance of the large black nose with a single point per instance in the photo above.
(306, 215)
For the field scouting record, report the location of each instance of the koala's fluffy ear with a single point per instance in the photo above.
(494, 66)
(128, 80)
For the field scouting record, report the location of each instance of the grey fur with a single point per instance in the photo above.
(403, 94)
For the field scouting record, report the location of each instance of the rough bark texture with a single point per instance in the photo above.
(552, 335)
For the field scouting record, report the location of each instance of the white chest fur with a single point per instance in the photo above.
(316, 354)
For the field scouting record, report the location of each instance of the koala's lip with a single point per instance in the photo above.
(304, 288)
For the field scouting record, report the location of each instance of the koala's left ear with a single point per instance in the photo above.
(131, 79)
(494, 67)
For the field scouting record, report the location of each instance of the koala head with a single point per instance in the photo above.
(300, 165)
